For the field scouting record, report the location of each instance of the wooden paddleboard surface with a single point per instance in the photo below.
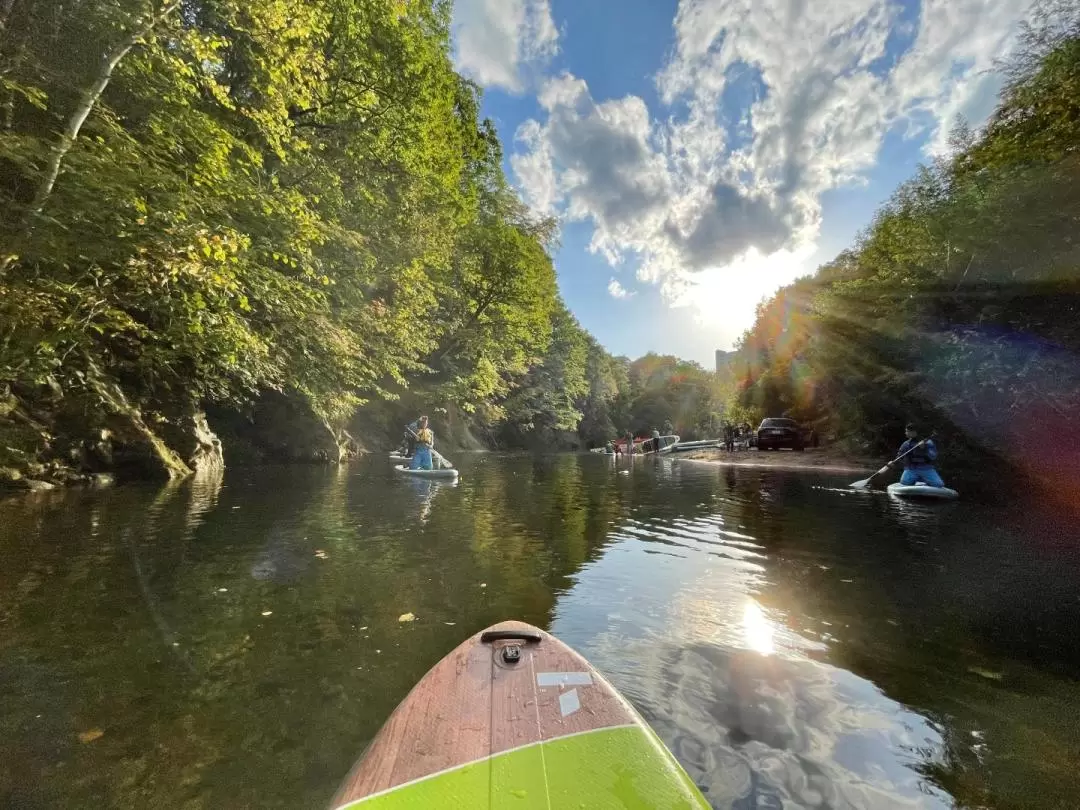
(547, 731)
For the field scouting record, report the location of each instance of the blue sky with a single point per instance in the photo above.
(701, 153)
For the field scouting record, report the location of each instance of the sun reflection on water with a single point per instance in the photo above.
(757, 629)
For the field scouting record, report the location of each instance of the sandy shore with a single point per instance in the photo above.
(819, 458)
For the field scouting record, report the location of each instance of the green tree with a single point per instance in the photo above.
(957, 304)
(546, 401)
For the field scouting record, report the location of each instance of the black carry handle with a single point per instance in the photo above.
(528, 636)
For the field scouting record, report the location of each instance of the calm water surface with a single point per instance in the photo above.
(236, 643)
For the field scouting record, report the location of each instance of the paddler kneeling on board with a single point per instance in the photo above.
(919, 463)
(425, 440)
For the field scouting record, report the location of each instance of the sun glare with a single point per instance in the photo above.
(727, 297)
(757, 629)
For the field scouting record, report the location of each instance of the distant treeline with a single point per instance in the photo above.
(601, 397)
(959, 306)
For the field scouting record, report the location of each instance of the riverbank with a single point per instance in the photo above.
(824, 459)
(71, 439)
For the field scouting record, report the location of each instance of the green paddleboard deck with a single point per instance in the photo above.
(513, 718)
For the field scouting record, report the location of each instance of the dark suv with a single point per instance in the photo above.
(773, 434)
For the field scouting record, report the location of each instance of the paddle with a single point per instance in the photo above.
(866, 481)
(444, 462)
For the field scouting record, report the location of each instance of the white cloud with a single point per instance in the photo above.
(534, 168)
(949, 68)
(707, 186)
(610, 164)
(618, 291)
(497, 40)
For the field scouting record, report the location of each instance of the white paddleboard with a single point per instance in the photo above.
(923, 491)
(427, 473)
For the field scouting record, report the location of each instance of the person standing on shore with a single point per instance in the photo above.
(729, 437)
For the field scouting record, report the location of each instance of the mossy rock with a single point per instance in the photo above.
(10, 477)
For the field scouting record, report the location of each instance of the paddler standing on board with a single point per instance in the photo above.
(408, 442)
(919, 462)
(425, 440)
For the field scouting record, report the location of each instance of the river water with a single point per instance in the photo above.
(235, 643)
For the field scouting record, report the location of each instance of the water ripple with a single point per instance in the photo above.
(795, 647)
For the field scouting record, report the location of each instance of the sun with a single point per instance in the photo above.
(726, 298)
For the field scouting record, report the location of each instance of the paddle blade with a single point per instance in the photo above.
(865, 483)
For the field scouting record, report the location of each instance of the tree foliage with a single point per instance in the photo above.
(958, 304)
(284, 195)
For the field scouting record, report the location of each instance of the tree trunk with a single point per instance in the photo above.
(5, 12)
(87, 100)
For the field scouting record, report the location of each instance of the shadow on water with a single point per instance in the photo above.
(235, 642)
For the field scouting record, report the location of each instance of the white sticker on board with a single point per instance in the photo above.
(563, 679)
(569, 702)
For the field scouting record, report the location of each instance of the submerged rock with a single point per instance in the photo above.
(102, 480)
(283, 559)
(36, 486)
(10, 477)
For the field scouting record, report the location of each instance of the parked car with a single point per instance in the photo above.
(772, 434)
